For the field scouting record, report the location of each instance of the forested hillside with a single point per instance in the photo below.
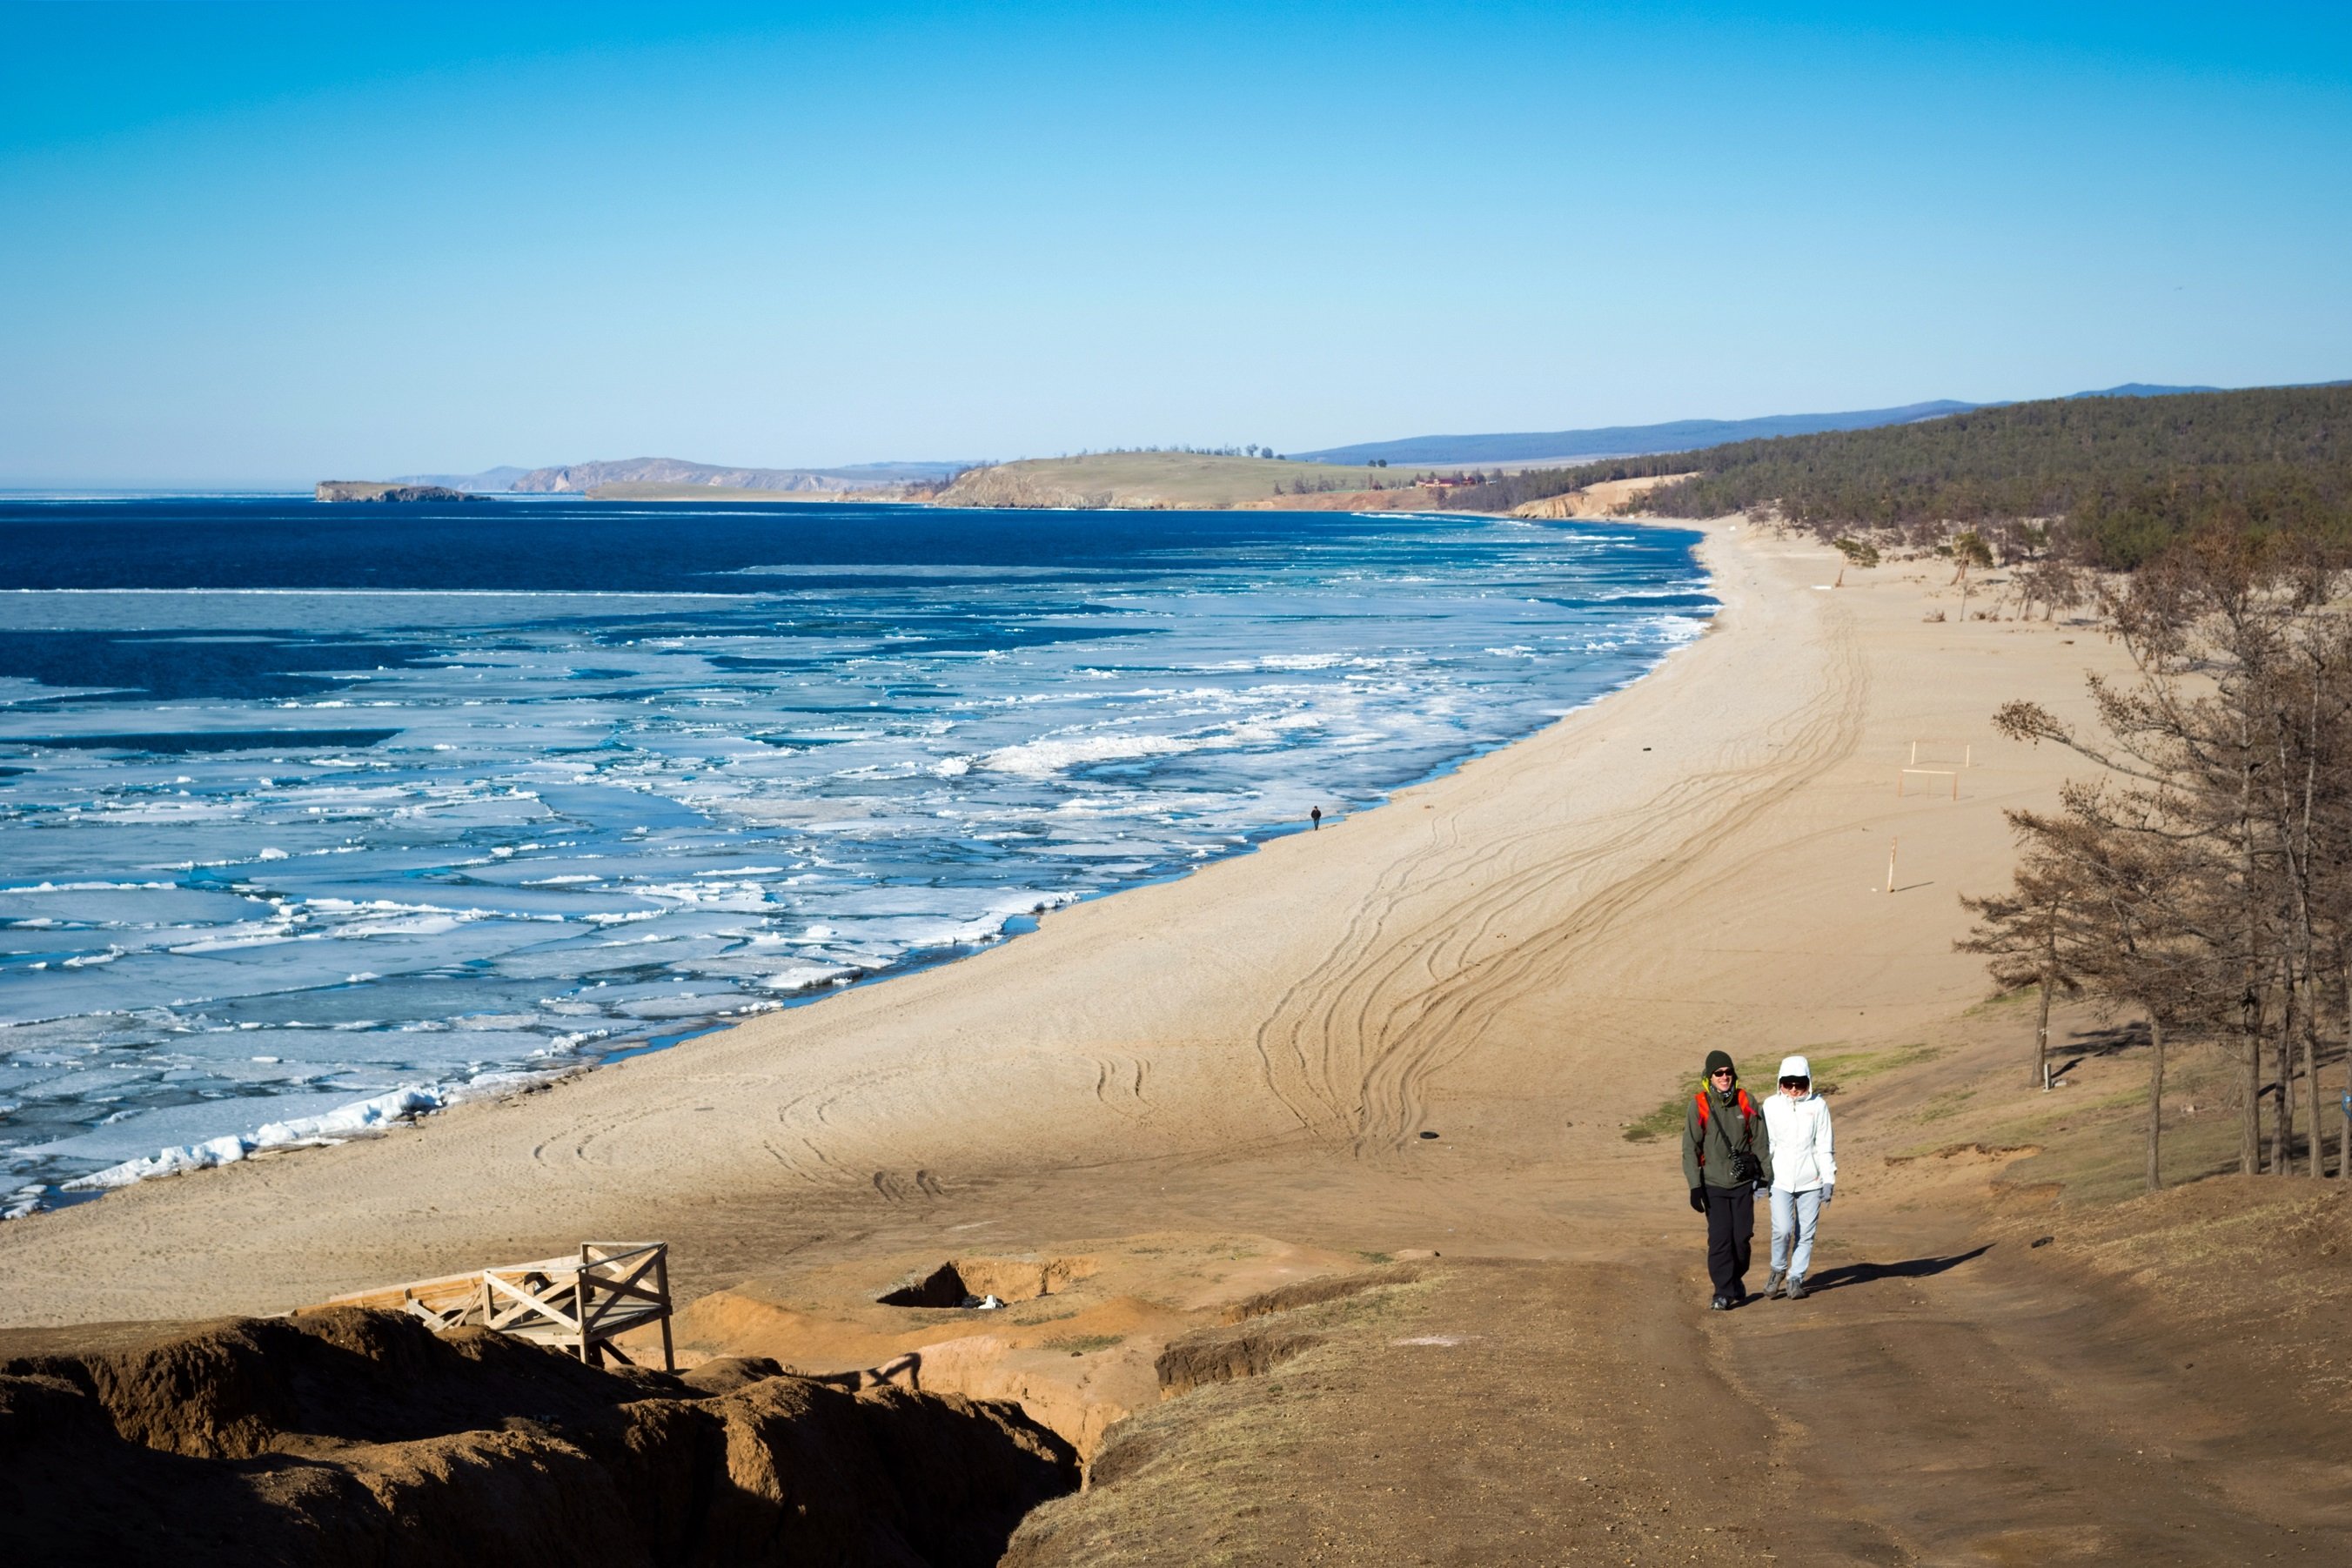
(2120, 477)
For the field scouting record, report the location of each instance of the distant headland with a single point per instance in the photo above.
(386, 490)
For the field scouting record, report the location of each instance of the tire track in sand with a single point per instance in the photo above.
(1402, 993)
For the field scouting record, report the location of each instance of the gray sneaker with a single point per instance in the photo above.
(1773, 1287)
(1796, 1288)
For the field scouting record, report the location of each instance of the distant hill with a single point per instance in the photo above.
(675, 472)
(1621, 440)
(489, 482)
(2123, 475)
(1161, 480)
(1675, 436)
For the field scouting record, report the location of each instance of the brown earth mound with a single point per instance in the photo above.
(354, 1436)
(1314, 1292)
(1220, 1355)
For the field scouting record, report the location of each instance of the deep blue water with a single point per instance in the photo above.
(303, 804)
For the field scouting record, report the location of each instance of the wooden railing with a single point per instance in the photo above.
(576, 1304)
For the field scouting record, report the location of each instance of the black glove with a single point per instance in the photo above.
(1698, 1200)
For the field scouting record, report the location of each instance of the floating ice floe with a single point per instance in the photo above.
(800, 977)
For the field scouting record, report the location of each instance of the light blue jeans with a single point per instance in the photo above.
(1794, 1215)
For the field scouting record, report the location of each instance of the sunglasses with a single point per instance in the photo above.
(1796, 1083)
(1723, 1072)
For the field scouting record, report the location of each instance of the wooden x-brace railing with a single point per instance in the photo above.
(579, 1304)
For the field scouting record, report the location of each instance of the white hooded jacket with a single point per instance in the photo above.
(1802, 1158)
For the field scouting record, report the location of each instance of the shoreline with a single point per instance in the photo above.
(407, 1106)
(1267, 1035)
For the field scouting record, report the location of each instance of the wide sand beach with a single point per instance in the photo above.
(1202, 1088)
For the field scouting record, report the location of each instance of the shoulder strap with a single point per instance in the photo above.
(1747, 1121)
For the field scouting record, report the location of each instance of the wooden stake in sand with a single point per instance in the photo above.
(1890, 863)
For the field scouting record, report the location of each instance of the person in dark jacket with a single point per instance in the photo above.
(1727, 1153)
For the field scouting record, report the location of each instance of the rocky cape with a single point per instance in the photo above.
(385, 490)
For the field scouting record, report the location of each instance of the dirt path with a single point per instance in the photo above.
(1953, 1407)
(1974, 1406)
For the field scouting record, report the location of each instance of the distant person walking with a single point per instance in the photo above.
(1727, 1155)
(1315, 816)
(1804, 1176)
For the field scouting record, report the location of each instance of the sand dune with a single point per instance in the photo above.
(1600, 499)
(1523, 956)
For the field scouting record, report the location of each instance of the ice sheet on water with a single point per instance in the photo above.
(114, 904)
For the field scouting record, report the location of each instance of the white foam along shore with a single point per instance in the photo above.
(361, 1118)
(374, 1114)
(398, 1107)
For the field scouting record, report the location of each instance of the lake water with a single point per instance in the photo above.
(306, 805)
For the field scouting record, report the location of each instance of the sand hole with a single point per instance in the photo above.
(966, 1281)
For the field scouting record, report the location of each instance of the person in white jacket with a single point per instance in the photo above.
(1804, 1174)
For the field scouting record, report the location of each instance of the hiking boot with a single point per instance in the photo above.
(1773, 1286)
(1720, 1304)
(1796, 1288)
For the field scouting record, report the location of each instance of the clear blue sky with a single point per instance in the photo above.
(259, 243)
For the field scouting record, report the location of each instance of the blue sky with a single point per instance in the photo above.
(259, 243)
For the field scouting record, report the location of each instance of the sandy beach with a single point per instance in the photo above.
(1522, 956)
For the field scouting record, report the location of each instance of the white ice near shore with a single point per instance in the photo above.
(1043, 758)
(362, 1116)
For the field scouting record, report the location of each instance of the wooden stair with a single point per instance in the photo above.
(574, 1304)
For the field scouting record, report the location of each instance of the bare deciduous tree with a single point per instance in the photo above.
(2027, 934)
(2208, 872)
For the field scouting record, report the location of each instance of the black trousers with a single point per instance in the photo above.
(1730, 1233)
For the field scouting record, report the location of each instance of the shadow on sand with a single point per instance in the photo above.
(1847, 1274)
(2083, 1044)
